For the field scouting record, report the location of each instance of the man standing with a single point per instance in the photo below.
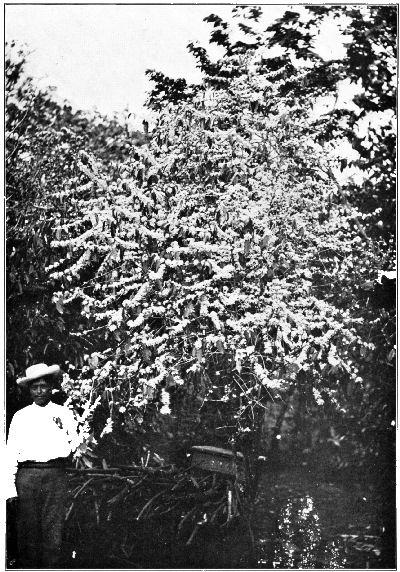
(41, 438)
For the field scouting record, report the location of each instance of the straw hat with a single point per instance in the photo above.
(38, 371)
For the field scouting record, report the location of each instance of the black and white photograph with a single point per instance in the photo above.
(200, 286)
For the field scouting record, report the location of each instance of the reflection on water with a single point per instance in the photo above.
(298, 536)
(301, 523)
(334, 556)
(298, 542)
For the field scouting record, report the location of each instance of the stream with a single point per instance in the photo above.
(299, 521)
(302, 522)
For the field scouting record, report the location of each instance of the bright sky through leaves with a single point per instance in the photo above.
(97, 55)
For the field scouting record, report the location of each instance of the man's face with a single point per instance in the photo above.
(40, 391)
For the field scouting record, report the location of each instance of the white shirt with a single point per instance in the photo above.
(39, 434)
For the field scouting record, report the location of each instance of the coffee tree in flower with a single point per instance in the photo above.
(210, 268)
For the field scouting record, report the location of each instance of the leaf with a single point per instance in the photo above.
(148, 504)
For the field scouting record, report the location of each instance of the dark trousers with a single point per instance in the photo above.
(42, 495)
